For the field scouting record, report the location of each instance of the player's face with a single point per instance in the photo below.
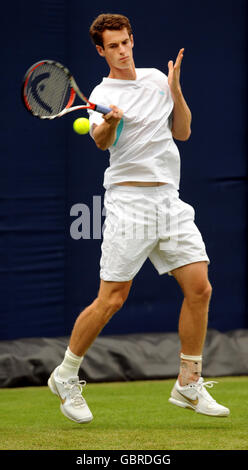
(118, 48)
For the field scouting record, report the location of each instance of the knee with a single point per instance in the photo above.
(115, 302)
(204, 290)
(200, 292)
(111, 305)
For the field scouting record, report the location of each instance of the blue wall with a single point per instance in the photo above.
(46, 276)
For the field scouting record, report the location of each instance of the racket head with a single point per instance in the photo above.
(47, 89)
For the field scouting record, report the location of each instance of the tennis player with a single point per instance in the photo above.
(145, 217)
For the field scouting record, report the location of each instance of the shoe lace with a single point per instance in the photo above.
(201, 386)
(75, 392)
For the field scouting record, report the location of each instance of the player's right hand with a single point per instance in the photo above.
(114, 117)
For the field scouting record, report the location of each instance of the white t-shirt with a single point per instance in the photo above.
(144, 149)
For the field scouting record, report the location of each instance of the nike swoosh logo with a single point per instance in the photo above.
(193, 402)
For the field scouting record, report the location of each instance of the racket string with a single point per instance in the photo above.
(48, 90)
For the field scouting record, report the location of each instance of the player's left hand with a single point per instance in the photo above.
(174, 73)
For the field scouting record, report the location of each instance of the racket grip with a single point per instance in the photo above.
(102, 109)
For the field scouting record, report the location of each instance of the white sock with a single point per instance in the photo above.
(70, 365)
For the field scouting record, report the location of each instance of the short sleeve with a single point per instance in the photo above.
(95, 117)
(161, 79)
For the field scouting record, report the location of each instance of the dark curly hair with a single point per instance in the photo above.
(108, 21)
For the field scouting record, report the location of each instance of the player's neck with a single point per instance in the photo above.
(123, 74)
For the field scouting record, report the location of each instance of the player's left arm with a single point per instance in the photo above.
(181, 121)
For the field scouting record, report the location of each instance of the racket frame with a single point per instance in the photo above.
(74, 91)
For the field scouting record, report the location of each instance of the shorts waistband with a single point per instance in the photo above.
(143, 189)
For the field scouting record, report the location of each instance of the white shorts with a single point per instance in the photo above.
(147, 222)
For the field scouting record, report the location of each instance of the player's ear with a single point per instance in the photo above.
(132, 40)
(100, 50)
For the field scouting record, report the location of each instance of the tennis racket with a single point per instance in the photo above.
(49, 91)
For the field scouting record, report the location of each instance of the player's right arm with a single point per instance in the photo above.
(104, 135)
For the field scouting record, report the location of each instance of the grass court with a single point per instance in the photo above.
(127, 416)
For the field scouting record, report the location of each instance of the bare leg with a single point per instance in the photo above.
(91, 321)
(193, 279)
(64, 381)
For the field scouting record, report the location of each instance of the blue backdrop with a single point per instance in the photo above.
(46, 276)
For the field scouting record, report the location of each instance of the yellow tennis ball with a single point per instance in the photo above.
(81, 125)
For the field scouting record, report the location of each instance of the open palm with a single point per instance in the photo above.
(174, 73)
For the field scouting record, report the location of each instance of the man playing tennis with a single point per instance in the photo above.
(144, 214)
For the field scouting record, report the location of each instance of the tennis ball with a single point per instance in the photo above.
(81, 126)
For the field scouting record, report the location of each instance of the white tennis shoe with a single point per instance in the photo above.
(196, 397)
(73, 405)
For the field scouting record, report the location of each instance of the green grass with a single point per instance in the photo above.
(127, 416)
